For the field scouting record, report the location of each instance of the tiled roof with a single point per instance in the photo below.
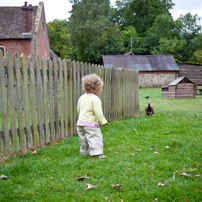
(11, 23)
(141, 63)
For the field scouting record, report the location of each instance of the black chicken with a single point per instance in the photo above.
(149, 109)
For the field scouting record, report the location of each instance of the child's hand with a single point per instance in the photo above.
(105, 124)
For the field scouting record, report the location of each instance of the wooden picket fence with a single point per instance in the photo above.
(38, 98)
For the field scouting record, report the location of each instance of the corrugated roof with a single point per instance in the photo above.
(141, 62)
(11, 22)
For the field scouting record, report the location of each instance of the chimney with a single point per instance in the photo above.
(27, 18)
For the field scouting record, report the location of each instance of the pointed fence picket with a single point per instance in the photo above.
(38, 98)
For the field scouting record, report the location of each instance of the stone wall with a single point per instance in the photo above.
(155, 79)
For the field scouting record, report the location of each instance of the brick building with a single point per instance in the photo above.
(23, 30)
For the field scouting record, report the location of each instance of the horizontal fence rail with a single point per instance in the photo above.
(38, 98)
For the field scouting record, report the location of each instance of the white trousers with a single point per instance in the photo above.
(90, 140)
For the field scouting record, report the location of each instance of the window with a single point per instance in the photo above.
(42, 25)
(2, 48)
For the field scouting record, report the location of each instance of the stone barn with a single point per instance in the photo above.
(154, 70)
(23, 30)
(181, 88)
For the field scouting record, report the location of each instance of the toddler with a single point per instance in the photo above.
(90, 112)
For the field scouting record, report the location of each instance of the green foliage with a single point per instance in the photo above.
(51, 174)
(172, 46)
(59, 38)
(88, 22)
(128, 33)
(189, 26)
(110, 43)
(159, 30)
(198, 57)
(94, 29)
(141, 13)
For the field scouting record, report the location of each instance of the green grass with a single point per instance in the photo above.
(51, 174)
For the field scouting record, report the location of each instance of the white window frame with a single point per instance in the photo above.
(4, 50)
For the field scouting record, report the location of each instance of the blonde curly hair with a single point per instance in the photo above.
(91, 83)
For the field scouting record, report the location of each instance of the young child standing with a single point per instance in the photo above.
(90, 112)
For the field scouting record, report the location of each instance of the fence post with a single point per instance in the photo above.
(65, 99)
(51, 106)
(45, 99)
(4, 113)
(26, 101)
(19, 102)
(11, 100)
(70, 98)
(56, 98)
(33, 101)
(61, 99)
(136, 93)
(39, 101)
(74, 97)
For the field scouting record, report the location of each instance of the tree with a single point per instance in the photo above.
(141, 13)
(198, 57)
(159, 30)
(59, 39)
(130, 33)
(172, 46)
(189, 28)
(110, 43)
(88, 21)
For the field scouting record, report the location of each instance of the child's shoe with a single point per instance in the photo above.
(100, 156)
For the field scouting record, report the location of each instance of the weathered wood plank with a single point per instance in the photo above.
(136, 84)
(11, 100)
(70, 98)
(119, 94)
(55, 66)
(74, 96)
(85, 69)
(123, 92)
(4, 112)
(110, 93)
(33, 101)
(61, 99)
(65, 99)
(26, 101)
(51, 106)
(45, 100)
(106, 97)
(78, 81)
(39, 101)
(19, 102)
(100, 74)
(184, 84)
(112, 109)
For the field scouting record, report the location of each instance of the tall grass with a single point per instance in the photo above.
(136, 158)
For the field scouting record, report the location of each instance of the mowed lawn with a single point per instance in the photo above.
(141, 152)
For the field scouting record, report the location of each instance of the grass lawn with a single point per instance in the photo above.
(136, 158)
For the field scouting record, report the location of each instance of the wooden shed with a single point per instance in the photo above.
(181, 88)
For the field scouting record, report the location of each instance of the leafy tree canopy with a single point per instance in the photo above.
(141, 13)
(59, 38)
(89, 20)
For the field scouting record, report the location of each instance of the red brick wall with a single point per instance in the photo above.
(19, 46)
(38, 45)
(42, 39)
(27, 19)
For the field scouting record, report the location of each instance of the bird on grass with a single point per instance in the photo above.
(147, 97)
(149, 109)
